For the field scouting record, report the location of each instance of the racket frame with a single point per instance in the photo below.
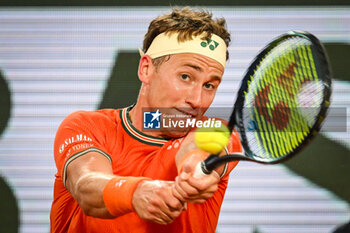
(236, 118)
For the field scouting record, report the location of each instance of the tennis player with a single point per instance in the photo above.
(114, 177)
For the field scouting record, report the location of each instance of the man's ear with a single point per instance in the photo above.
(146, 69)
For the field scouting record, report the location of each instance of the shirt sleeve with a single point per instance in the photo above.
(213, 205)
(80, 133)
(234, 146)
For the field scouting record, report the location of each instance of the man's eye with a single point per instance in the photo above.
(185, 77)
(209, 86)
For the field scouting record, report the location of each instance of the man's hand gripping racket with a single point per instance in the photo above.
(281, 104)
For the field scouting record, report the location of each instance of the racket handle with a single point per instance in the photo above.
(200, 170)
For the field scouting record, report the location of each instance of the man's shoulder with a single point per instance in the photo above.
(94, 115)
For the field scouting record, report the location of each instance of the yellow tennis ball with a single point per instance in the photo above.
(213, 139)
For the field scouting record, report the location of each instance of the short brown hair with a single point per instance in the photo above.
(187, 23)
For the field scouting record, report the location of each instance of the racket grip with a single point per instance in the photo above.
(200, 170)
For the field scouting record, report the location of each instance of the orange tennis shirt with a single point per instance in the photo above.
(131, 153)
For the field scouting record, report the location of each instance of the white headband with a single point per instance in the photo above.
(167, 43)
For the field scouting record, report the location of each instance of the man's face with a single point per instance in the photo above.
(184, 83)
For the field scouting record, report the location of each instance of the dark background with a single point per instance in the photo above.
(331, 170)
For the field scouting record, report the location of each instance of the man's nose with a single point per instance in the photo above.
(194, 96)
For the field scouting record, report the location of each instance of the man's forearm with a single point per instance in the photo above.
(88, 192)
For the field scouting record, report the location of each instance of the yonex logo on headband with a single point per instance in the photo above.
(168, 43)
(212, 44)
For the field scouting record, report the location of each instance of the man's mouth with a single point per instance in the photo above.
(192, 114)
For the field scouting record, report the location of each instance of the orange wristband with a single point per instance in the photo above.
(118, 193)
(197, 152)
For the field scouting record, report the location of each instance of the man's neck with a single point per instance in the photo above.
(135, 116)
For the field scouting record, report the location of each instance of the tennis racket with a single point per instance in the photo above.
(282, 102)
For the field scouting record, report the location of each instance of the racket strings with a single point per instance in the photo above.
(284, 99)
